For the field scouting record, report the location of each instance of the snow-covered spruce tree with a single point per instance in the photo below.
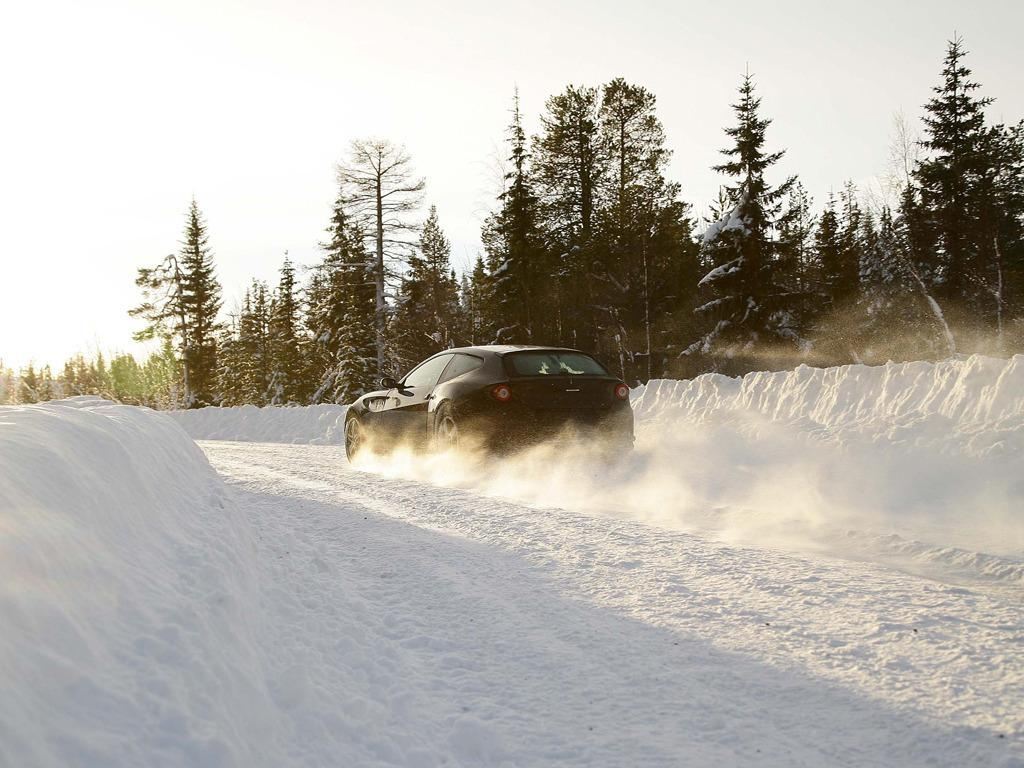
(342, 313)
(643, 249)
(230, 360)
(426, 316)
(288, 344)
(798, 256)
(894, 320)
(748, 299)
(568, 165)
(254, 331)
(842, 279)
(517, 254)
(842, 243)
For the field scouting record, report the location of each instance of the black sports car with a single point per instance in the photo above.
(495, 397)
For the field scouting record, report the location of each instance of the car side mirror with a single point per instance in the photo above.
(388, 383)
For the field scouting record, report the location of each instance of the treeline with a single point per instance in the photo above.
(590, 245)
(154, 383)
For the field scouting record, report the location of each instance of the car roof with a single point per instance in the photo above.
(504, 349)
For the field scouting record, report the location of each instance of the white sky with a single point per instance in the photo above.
(115, 114)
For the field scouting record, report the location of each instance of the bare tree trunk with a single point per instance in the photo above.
(998, 294)
(647, 309)
(381, 307)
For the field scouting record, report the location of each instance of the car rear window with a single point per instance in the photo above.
(553, 364)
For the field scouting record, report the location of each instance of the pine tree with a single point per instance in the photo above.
(952, 179)
(478, 305)
(827, 248)
(254, 343)
(797, 263)
(516, 251)
(1000, 273)
(894, 319)
(28, 385)
(8, 386)
(200, 295)
(748, 299)
(343, 313)
(230, 360)
(643, 242)
(841, 280)
(569, 165)
(288, 345)
(426, 318)
(46, 387)
(181, 299)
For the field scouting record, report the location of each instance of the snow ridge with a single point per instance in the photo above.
(126, 585)
(973, 406)
(313, 424)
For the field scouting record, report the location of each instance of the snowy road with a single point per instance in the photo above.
(408, 624)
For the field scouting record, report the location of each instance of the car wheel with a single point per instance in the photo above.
(446, 431)
(355, 438)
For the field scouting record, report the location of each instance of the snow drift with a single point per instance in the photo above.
(314, 424)
(125, 581)
(973, 406)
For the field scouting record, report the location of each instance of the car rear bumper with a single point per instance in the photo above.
(519, 426)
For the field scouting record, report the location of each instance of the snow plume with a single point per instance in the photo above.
(124, 576)
(917, 464)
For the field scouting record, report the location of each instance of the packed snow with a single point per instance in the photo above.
(814, 567)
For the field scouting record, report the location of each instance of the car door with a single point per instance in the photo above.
(409, 401)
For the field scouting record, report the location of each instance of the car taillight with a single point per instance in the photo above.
(501, 392)
(622, 391)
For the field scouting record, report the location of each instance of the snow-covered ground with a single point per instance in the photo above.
(820, 567)
(130, 629)
(316, 424)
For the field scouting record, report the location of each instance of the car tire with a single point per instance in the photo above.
(447, 435)
(355, 438)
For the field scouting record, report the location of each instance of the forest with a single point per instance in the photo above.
(590, 245)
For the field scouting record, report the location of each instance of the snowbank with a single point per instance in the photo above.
(126, 580)
(315, 424)
(973, 406)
